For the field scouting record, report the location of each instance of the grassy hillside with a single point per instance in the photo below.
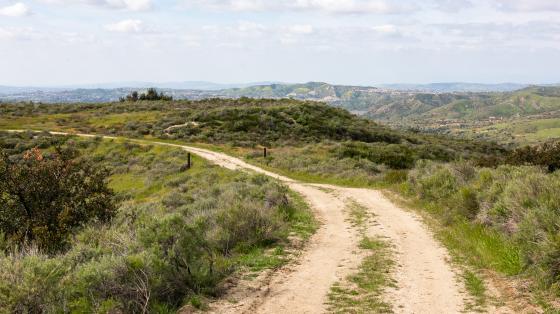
(175, 237)
(529, 130)
(215, 120)
(240, 122)
(525, 116)
(387, 105)
(468, 106)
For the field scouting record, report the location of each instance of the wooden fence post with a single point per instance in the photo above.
(265, 152)
(188, 165)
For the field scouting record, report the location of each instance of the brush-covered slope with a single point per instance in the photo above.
(348, 97)
(281, 122)
(391, 105)
(239, 122)
(469, 106)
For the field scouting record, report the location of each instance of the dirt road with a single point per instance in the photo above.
(426, 283)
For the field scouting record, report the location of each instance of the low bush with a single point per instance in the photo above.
(520, 202)
(546, 155)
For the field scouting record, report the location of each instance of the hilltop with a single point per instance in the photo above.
(396, 101)
(459, 113)
(241, 122)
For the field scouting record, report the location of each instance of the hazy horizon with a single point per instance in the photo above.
(349, 42)
(133, 84)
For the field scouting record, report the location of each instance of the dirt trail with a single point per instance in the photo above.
(329, 257)
(426, 282)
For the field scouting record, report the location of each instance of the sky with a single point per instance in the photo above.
(362, 42)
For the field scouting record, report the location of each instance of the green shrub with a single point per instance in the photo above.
(394, 156)
(434, 181)
(44, 199)
(547, 155)
(468, 205)
(32, 283)
(521, 203)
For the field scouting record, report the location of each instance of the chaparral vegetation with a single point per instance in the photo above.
(112, 226)
(494, 206)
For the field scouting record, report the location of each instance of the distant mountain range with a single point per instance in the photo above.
(457, 87)
(533, 100)
(196, 85)
(388, 102)
(211, 86)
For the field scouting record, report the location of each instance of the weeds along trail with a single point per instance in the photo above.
(426, 283)
(425, 280)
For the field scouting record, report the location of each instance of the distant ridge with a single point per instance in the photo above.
(195, 85)
(395, 102)
(457, 87)
(445, 87)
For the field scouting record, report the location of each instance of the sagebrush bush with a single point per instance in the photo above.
(521, 202)
(434, 181)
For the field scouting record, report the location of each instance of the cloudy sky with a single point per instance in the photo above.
(56, 42)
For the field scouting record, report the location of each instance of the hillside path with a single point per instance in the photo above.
(426, 282)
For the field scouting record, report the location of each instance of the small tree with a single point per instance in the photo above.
(150, 95)
(43, 200)
(132, 96)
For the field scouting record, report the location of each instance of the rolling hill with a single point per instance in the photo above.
(396, 101)
(453, 87)
(470, 106)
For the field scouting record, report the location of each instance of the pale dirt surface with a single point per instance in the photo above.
(425, 279)
(303, 286)
(426, 282)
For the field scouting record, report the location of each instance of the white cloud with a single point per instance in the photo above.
(250, 27)
(17, 33)
(453, 5)
(295, 34)
(132, 5)
(386, 29)
(6, 33)
(127, 26)
(301, 29)
(489, 36)
(16, 10)
(529, 5)
(351, 6)
(231, 5)
(328, 6)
